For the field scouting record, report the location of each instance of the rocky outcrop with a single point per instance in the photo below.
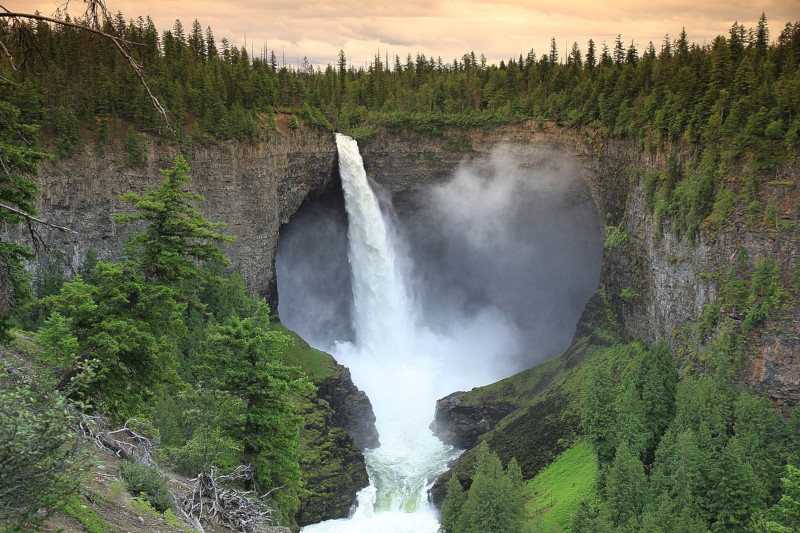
(460, 424)
(533, 435)
(337, 422)
(256, 189)
(332, 465)
(407, 163)
(353, 410)
(461, 418)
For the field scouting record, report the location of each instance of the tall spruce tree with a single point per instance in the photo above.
(177, 237)
(18, 195)
(243, 358)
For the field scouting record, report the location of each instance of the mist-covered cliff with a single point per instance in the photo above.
(656, 280)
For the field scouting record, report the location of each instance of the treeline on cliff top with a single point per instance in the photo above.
(736, 97)
(742, 89)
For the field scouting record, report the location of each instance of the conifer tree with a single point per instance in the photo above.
(452, 506)
(244, 359)
(178, 237)
(626, 491)
(18, 195)
(494, 503)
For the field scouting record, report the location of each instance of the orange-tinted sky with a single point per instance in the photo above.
(443, 28)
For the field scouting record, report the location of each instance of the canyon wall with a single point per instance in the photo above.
(256, 189)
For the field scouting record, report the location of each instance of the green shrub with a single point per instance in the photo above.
(67, 130)
(707, 323)
(628, 294)
(142, 479)
(134, 150)
(766, 293)
(722, 210)
(651, 181)
(614, 236)
(40, 462)
(206, 447)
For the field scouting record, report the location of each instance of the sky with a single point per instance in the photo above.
(500, 29)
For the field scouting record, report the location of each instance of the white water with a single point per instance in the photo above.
(402, 366)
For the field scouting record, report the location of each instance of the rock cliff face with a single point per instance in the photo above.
(672, 277)
(256, 189)
(339, 425)
(252, 188)
(352, 408)
(460, 424)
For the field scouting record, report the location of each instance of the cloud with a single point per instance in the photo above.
(444, 28)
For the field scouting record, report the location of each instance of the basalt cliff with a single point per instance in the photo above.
(655, 280)
(256, 189)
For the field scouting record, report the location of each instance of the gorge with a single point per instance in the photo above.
(256, 189)
(655, 285)
(511, 269)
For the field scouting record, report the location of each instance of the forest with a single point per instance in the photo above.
(169, 336)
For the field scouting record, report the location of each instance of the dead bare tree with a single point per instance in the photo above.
(96, 15)
(126, 444)
(217, 498)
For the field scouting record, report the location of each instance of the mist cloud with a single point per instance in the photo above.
(518, 241)
(502, 258)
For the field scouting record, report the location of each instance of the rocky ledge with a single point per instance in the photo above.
(353, 410)
(339, 424)
(460, 424)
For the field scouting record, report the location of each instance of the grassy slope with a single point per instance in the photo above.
(543, 433)
(555, 493)
(317, 364)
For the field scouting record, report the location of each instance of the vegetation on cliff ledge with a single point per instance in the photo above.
(678, 444)
(186, 352)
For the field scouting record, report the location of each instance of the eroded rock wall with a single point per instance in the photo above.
(256, 189)
(252, 188)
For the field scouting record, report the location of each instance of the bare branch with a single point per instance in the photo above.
(125, 443)
(6, 53)
(32, 218)
(118, 42)
(216, 497)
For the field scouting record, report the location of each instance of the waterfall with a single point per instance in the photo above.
(383, 315)
(394, 361)
(506, 257)
(488, 276)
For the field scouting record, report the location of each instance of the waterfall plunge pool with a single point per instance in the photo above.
(448, 302)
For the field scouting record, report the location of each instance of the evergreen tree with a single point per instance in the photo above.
(788, 510)
(598, 417)
(658, 379)
(553, 57)
(631, 427)
(177, 237)
(591, 59)
(452, 506)
(626, 490)
(244, 359)
(118, 355)
(494, 503)
(17, 199)
(735, 497)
